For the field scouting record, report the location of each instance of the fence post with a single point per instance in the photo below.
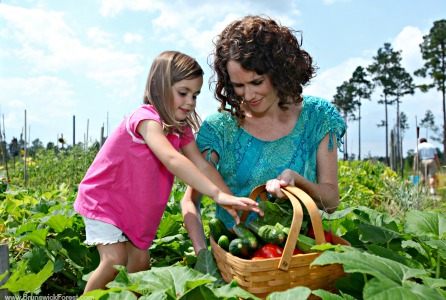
(4, 266)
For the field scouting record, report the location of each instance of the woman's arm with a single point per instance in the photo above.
(326, 191)
(190, 206)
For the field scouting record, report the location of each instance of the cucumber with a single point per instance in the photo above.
(242, 232)
(223, 242)
(268, 233)
(304, 243)
(218, 228)
(238, 247)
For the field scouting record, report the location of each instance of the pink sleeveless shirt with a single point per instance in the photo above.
(127, 185)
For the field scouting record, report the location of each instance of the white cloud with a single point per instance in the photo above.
(408, 41)
(46, 43)
(196, 28)
(99, 37)
(132, 38)
(110, 8)
(47, 101)
(325, 83)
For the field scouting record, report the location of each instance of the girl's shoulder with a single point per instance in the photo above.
(144, 112)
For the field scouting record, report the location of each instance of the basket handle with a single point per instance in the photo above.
(294, 194)
(259, 190)
(313, 211)
(296, 224)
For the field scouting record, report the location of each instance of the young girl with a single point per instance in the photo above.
(125, 191)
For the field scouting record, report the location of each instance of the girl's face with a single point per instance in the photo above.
(256, 90)
(185, 94)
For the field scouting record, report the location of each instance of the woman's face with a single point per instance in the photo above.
(256, 90)
(185, 93)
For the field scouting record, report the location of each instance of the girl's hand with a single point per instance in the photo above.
(234, 204)
(273, 186)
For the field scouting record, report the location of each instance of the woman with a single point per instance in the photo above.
(265, 131)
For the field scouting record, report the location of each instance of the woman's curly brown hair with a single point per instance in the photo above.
(262, 45)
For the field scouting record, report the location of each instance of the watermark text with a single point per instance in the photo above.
(47, 297)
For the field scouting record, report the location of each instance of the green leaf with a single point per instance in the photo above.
(206, 264)
(414, 245)
(373, 217)
(433, 282)
(37, 236)
(57, 222)
(158, 295)
(352, 283)
(36, 258)
(377, 289)
(425, 223)
(376, 235)
(168, 226)
(174, 280)
(18, 282)
(2, 276)
(25, 227)
(231, 291)
(76, 250)
(390, 254)
(125, 280)
(381, 268)
(276, 214)
(296, 293)
(114, 293)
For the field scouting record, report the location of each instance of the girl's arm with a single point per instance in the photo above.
(326, 191)
(183, 168)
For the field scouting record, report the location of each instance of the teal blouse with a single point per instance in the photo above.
(246, 162)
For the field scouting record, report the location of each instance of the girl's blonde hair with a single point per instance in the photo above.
(167, 69)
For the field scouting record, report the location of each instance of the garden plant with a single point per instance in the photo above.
(397, 236)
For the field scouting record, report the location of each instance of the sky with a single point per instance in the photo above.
(75, 68)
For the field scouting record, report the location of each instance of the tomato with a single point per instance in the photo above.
(268, 251)
(310, 233)
(327, 234)
(297, 251)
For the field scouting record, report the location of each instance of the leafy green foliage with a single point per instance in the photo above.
(397, 237)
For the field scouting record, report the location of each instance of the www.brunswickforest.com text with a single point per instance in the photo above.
(47, 297)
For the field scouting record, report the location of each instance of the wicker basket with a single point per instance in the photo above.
(262, 277)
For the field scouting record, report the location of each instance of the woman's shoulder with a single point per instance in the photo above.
(314, 101)
(313, 104)
(220, 118)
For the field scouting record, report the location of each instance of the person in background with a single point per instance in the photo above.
(265, 130)
(125, 191)
(428, 158)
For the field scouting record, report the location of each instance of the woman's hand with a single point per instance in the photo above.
(234, 204)
(273, 186)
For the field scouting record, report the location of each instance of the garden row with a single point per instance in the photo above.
(397, 235)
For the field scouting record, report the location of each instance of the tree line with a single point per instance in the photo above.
(386, 74)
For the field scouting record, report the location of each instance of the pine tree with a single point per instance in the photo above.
(433, 50)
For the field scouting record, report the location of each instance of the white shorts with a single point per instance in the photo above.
(101, 233)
